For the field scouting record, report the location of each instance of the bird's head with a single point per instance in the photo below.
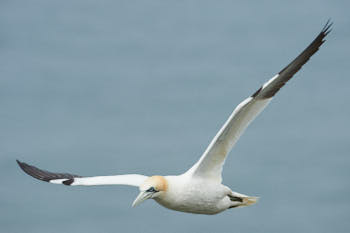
(153, 187)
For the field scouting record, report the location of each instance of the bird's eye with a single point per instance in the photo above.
(151, 190)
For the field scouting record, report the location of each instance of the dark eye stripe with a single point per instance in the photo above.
(151, 190)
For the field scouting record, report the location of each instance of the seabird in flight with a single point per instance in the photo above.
(199, 190)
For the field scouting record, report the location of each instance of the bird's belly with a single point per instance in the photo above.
(198, 202)
(191, 208)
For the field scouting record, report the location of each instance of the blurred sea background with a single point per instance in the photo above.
(113, 87)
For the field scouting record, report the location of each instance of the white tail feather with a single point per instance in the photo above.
(249, 201)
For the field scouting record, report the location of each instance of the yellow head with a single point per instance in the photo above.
(151, 188)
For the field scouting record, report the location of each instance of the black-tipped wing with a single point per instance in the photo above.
(45, 175)
(211, 162)
(270, 88)
(70, 179)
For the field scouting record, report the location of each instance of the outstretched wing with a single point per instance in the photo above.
(70, 179)
(211, 162)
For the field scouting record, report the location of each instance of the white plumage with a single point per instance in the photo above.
(199, 190)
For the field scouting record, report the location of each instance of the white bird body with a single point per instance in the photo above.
(195, 195)
(200, 189)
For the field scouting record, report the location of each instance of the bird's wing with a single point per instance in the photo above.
(70, 179)
(211, 162)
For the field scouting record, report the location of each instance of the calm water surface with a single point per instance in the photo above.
(113, 87)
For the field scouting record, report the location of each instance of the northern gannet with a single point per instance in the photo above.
(199, 190)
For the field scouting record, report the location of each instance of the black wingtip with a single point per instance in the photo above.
(22, 165)
(287, 72)
(327, 27)
(32, 171)
(46, 175)
(19, 164)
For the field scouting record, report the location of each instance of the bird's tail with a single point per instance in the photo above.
(249, 201)
(241, 200)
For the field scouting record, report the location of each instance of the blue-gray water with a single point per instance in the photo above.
(113, 87)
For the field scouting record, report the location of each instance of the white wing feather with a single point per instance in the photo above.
(70, 179)
(210, 164)
(130, 179)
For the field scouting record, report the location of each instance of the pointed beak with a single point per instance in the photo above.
(141, 197)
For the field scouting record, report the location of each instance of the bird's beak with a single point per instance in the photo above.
(141, 197)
